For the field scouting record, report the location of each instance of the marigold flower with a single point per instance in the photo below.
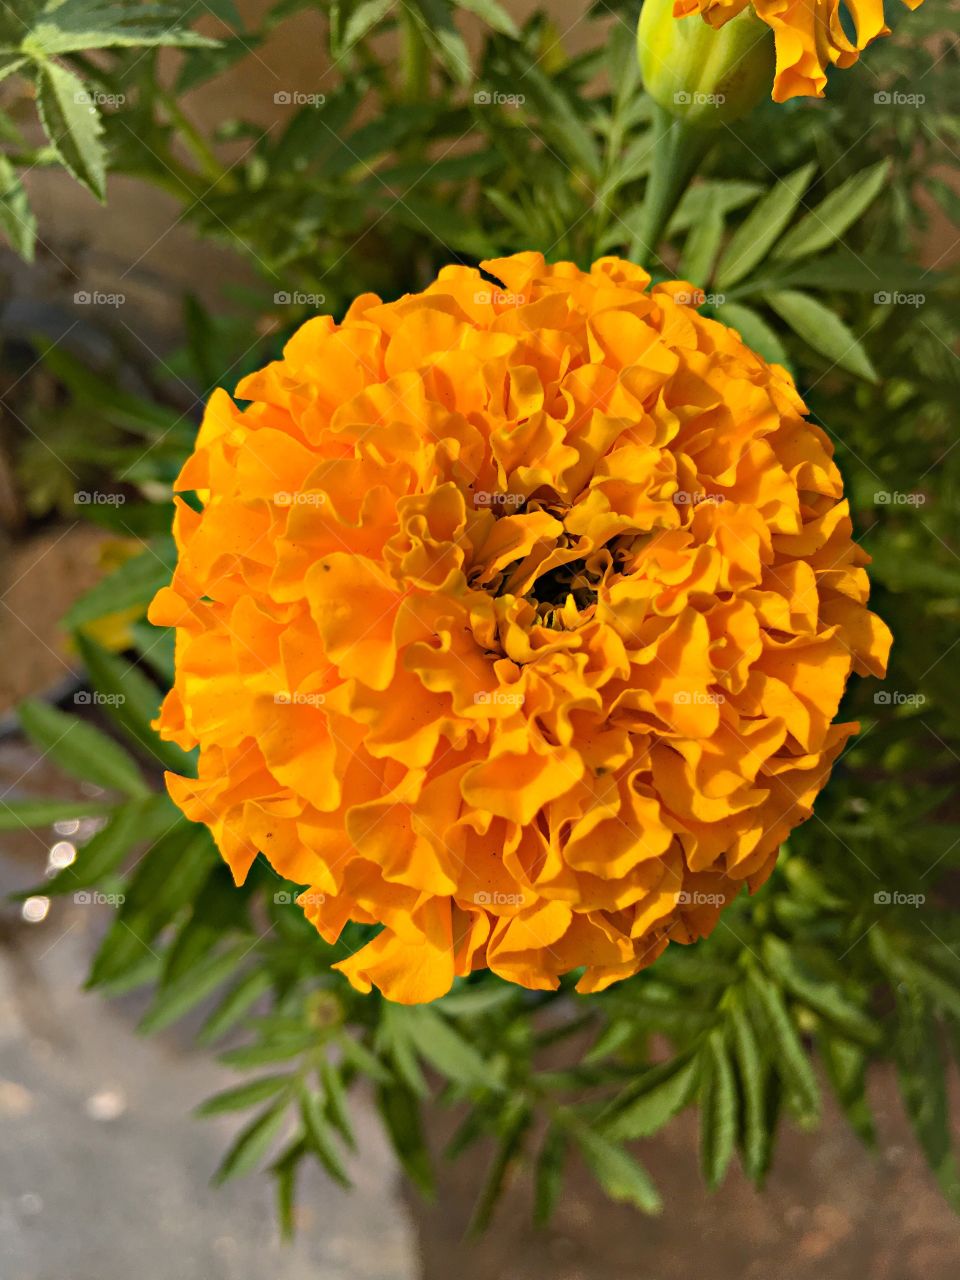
(809, 35)
(515, 618)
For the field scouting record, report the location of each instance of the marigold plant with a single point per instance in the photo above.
(513, 616)
(810, 35)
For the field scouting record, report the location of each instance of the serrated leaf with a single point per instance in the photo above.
(718, 1111)
(828, 220)
(244, 1095)
(167, 877)
(846, 1065)
(753, 1072)
(444, 1048)
(363, 19)
(766, 220)
(621, 1176)
(822, 330)
(177, 999)
(80, 749)
(253, 1143)
(825, 997)
(658, 1096)
(72, 123)
(788, 1054)
(238, 1000)
(336, 1096)
(134, 704)
(319, 1135)
(17, 220)
(76, 25)
(130, 825)
(754, 330)
(133, 584)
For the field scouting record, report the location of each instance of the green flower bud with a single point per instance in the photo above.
(704, 75)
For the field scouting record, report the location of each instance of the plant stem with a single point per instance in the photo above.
(413, 59)
(678, 150)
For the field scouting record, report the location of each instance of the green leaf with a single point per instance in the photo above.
(824, 331)
(43, 813)
(133, 584)
(179, 997)
(493, 14)
(400, 1110)
(336, 1096)
(828, 220)
(921, 1068)
(80, 749)
(320, 1135)
(244, 1095)
(755, 331)
(443, 1047)
(700, 249)
(846, 1065)
(788, 1054)
(764, 223)
(130, 825)
(512, 1128)
(363, 19)
(621, 1176)
(825, 997)
(72, 123)
(133, 703)
(238, 1000)
(17, 220)
(252, 1145)
(75, 25)
(167, 877)
(718, 1111)
(548, 1174)
(702, 198)
(659, 1094)
(753, 1072)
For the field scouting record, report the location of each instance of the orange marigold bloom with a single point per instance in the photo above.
(809, 35)
(515, 619)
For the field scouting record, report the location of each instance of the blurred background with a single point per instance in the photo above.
(230, 217)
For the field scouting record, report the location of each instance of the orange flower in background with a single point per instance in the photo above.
(515, 619)
(809, 35)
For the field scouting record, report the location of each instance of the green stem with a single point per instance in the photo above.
(414, 61)
(192, 138)
(678, 151)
